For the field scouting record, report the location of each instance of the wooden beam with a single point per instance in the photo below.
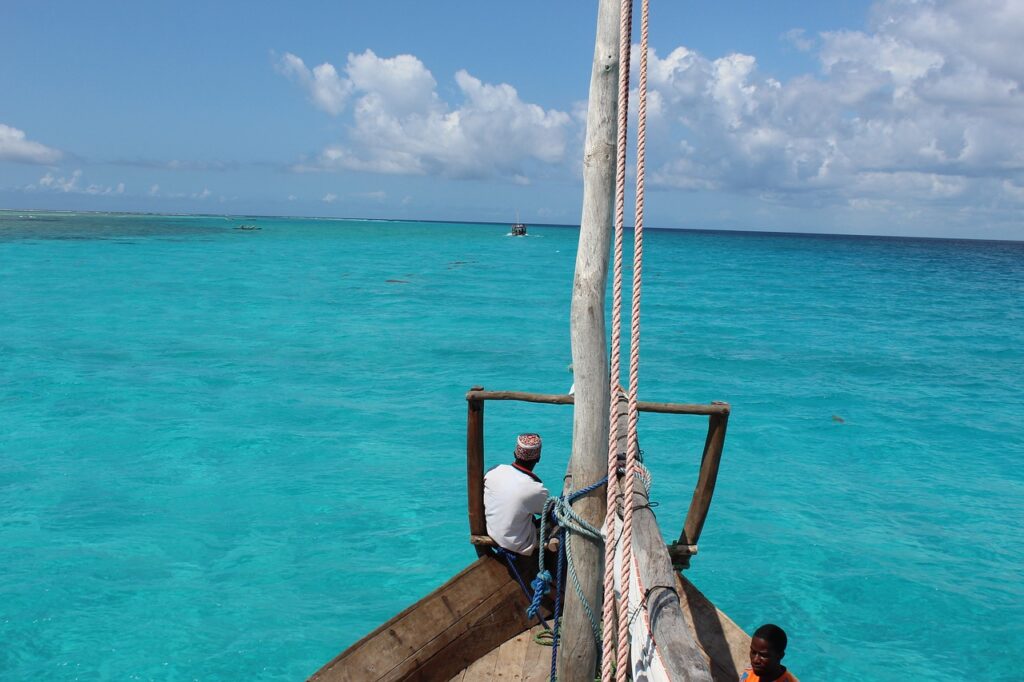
(705, 488)
(475, 465)
(677, 647)
(559, 399)
(482, 540)
(577, 659)
(522, 396)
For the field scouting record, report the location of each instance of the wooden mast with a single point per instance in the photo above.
(587, 465)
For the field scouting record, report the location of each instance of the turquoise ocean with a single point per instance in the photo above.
(229, 454)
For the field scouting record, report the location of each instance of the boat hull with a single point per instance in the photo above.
(441, 635)
(474, 627)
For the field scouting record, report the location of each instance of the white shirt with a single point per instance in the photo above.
(511, 498)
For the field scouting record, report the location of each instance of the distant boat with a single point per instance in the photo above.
(247, 227)
(518, 228)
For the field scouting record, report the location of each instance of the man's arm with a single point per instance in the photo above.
(536, 501)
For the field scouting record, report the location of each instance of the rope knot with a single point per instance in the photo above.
(541, 586)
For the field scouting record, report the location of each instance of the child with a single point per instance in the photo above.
(767, 647)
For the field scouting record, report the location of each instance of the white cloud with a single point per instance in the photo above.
(60, 184)
(927, 105)
(1014, 191)
(154, 190)
(798, 38)
(330, 198)
(15, 146)
(325, 88)
(100, 189)
(70, 184)
(400, 125)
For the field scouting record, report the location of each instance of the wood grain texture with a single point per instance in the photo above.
(442, 633)
(587, 464)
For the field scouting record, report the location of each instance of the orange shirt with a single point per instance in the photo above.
(749, 676)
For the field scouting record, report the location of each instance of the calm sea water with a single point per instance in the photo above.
(228, 455)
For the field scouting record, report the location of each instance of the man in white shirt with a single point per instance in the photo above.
(513, 494)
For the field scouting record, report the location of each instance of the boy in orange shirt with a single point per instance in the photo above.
(767, 647)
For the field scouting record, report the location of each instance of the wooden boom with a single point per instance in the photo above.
(681, 551)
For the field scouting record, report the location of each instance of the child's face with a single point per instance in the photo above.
(763, 659)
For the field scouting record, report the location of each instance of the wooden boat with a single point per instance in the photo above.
(474, 627)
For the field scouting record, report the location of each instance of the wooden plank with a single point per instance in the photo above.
(510, 659)
(482, 668)
(497, 620)
(725, 643)
(475, 465)
(407, 633)
(558, 399)
(537, 662)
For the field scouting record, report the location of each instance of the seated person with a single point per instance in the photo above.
(513, 494)
(767, 647)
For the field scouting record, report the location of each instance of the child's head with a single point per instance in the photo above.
(767, 647)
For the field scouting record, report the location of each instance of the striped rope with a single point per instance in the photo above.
(620, 667)
(633, 413)
(615, 370)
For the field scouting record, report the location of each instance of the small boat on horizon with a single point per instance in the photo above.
(518, 228)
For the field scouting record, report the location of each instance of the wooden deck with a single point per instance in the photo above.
(520, 659)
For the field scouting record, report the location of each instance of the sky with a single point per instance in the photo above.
(894, 117)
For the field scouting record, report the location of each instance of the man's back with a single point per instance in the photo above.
(512, 495)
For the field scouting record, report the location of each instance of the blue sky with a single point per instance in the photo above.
(892, 117)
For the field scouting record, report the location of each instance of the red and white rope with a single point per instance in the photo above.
(632, 443)
(615, 369)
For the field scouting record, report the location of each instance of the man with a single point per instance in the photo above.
(767, 647)
(513, 494)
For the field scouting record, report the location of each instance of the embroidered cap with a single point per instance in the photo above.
(528, 447)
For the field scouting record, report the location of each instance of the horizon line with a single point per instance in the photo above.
(576, 226)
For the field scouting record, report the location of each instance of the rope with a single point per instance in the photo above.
(535, 596)
(560, 509)
(615, 370)
(558, 607)
(621, 666)
(633, 414)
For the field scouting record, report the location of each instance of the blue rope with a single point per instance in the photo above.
(535, 597)
(589, 489)
(541, 587)
(558, 605)
(561, 511)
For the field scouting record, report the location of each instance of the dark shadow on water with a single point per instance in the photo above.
(92, 227)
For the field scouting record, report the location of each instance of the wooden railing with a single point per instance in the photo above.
(681, 550)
